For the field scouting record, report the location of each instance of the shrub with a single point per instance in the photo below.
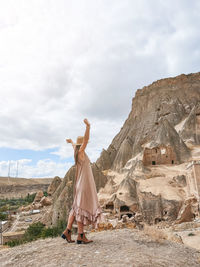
(38, 230)
(191, 234)
(3, 217)
(45, 194)
(34, 231)
(30, 197)
(15, 242)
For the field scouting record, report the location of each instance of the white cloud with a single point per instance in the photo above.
(62, 61)
(43, 168)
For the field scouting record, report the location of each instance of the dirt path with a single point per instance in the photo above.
(123, 247)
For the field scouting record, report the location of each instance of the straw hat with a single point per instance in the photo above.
(79, 140)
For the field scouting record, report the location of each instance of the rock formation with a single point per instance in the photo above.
(152, 147)
(54, 185)
(38, 196)
(164, 117)
(190, 131)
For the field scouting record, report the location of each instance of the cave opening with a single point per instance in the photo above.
(110, 206)
(157, 220)
(153, 162)
(128, 214)
(124, 208)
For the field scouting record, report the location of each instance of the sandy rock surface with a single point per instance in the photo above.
(123, 247)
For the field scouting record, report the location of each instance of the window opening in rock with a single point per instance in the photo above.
(172, 162)
(110, 206)
(124, 208)
(153, 162)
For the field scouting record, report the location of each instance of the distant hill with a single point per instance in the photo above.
(20, 187)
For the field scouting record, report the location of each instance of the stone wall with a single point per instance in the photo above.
(9, 236)
(159, 155)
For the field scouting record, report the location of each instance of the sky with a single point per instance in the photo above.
(62, 61)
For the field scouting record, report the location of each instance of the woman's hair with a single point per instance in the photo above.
(76, 153)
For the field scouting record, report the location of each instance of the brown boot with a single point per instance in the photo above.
(82, 239)
(67, 236)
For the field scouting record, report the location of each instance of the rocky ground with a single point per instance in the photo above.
(122, 247)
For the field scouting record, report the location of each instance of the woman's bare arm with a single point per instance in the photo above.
(70, 141)
(86, 136)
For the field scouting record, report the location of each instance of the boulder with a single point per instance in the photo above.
(45, 201)
(38, 196)
(188, 210)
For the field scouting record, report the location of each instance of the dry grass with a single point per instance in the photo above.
(154, 233)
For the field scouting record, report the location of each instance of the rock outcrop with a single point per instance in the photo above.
(190, 131)
(45, 201)
(171, 99)
(164, 117)
(38, 196)
(54, 185)
(152, 142)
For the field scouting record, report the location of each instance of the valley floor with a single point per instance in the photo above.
(122, 247)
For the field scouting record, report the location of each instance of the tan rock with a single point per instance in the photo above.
(36, 206)
(38, 196)
(186, 213)
(54, 185)
(157, 124)
(45, 201)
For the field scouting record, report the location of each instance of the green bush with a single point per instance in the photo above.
(38, 230)
(45, 194)
(15, 242)
(191, 234)
(3, 217)
(30, 197)
(34, 231)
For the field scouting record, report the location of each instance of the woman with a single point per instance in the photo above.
(85, 209)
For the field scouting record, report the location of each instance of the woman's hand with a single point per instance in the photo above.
(69, 140)
(86, 122)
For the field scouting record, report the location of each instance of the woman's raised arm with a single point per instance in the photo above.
(86, 136)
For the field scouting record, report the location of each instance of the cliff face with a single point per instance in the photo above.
(172, 100)
(152, 148)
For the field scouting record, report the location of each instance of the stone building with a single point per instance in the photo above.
(159, 155)
(10, 236)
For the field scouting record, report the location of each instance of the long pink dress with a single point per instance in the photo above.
(86, 208)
